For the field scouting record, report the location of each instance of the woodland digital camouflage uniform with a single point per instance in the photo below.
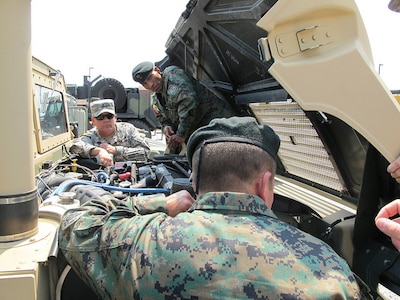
(227, 246)
(188, 104)
(129, 142)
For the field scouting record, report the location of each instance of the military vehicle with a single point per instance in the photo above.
(132, 105)
(303, 67)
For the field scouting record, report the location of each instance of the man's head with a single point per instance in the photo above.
(103, 116)
(99, 107)
(235, 154)
(148, 75)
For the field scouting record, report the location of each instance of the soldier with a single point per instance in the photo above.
(227, 245)
(182, 104)
(108, 140)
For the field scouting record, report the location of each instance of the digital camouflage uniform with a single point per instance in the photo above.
(129, 142)
(185, 104)
(227, 246)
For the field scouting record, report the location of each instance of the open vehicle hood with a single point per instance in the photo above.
(305, 68)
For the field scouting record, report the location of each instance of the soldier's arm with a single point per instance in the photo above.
(97, 212)
(103, 228)
(83, 145)
(91, 236)
(136, 148)
(186, 102)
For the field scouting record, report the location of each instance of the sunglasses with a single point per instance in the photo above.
(101, 117)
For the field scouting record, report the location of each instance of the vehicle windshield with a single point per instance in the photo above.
(51, 111)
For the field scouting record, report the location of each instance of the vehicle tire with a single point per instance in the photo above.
(110, 88)
(142, 125)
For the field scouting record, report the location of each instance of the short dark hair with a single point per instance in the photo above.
(227, 163)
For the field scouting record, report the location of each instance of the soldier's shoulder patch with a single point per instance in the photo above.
(173, 90)
(71, 218)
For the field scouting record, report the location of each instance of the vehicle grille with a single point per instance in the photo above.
(323, 205)
(302, 153)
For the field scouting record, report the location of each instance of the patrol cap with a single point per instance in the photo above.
(142, 70)
(101, 106)
(235, 129)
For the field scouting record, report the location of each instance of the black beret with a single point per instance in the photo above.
(142, 70)
(235, 129)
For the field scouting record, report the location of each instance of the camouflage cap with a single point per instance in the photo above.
(101, 106)
(235, 129)
(141, 71)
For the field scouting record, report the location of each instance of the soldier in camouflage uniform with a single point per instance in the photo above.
(108, 140)
(227, 245)
(182, 104)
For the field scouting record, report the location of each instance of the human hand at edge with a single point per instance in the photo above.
(390, 227)
(176, 140)
(168, 131)
(179, 202)
(105, 158)
(394, 169)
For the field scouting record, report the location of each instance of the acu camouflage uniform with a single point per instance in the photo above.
(129, 142)
(227, 246)
(185, 104)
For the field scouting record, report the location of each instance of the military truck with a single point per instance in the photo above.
(57, 116)
(303, 67)
(132, 105)
(29, 218)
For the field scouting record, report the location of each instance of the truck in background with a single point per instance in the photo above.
(132, 105)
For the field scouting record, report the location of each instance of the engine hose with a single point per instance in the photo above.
(65, 186)
(103, 178)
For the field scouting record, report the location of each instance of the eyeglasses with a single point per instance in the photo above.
(101, 117)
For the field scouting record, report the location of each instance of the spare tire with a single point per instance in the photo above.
(110, 88)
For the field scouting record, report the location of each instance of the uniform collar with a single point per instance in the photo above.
(233, 202)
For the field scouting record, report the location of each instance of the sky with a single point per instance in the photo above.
(108, 38)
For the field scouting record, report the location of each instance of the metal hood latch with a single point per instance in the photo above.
(292, 43)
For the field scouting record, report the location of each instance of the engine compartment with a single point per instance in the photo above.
(73, 181)
(163, 174)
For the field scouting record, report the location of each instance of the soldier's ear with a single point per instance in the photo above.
(265, 188)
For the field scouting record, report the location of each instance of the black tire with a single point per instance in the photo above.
(142, 125)
(110, 88)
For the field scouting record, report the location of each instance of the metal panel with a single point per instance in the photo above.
(338, 65)
(302, 153)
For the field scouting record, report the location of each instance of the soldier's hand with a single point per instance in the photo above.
(394, 169)
(106, 159)
(179, 202)
(168, 131)
(387, 224)
(176, 140)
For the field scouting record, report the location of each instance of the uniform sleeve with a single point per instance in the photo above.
(149, 204)
(180, 88)
(96, 236)
(136, 148)
(83, 145)
(85, 220)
